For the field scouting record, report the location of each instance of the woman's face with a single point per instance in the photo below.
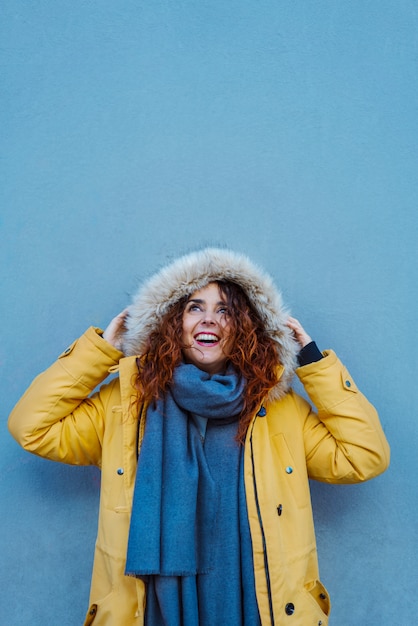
(206, 330)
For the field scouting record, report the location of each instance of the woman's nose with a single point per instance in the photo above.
(208, 317)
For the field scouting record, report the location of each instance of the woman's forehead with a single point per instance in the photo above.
(211, 291)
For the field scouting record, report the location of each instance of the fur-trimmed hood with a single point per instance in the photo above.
(196, 270)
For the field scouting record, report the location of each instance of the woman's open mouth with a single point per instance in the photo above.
(207, 339)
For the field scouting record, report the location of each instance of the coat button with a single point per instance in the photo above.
(120, 471)
(289, 469)
(262, 412)
(279, 510)
(347, 383)
(289, 608)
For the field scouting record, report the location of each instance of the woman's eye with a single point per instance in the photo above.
(223, 310)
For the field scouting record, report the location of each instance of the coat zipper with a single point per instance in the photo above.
(260, 521)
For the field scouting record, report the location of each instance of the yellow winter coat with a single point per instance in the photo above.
(342, 443)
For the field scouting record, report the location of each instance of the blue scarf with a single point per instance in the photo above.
(175, 501)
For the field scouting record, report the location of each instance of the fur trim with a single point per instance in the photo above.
(194, 271)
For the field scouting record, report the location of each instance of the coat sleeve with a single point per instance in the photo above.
(344, 440)
(56, 418)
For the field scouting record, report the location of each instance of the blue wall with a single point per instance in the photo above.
(134, 131)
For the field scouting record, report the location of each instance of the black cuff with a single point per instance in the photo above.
(309, 354)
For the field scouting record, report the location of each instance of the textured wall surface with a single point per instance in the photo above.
(134, 131)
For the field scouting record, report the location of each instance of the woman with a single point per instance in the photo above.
(205, 450)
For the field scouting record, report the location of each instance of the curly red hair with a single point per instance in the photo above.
(253, 353)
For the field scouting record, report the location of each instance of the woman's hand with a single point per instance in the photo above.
(113, 333)
(299, 332)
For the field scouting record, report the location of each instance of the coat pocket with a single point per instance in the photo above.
(319, 595)
(293, 475)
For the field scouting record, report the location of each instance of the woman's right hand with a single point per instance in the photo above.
(114, 331)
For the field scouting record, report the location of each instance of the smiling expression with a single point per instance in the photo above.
(206, 329)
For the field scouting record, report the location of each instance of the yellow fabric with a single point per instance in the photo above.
(343, 442)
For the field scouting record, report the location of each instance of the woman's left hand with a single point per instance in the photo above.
(299, 332)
